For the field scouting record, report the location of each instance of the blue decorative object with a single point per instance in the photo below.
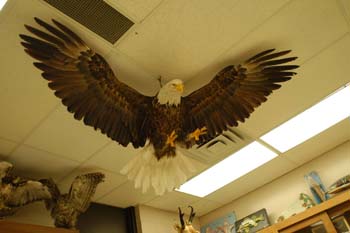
(316, 186)
(225, 224)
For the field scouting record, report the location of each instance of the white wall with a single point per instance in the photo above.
(280, 193)
(34, 213)
(154, 220)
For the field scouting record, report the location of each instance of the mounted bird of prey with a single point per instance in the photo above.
(66, 208)
(162, 123)
(17, 191)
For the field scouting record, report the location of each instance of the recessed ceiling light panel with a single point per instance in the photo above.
(228, 170)
(311, 122)
(2, 4)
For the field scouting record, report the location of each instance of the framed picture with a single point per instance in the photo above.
(341, 225)
(253, 222)
(224, 224)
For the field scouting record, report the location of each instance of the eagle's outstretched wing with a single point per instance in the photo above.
(87, 85)
(82, 190)
(233, 94)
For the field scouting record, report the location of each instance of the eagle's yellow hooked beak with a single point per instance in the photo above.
(180, 87)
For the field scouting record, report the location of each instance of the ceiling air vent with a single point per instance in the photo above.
(96, 15)
(219, 147)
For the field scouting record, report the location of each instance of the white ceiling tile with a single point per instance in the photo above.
(254, 179)
(24, 96)
(345, 4)
(34, 163)
(6, 147)
(314, 81)
(299, 26)
(136, 10)
(204, 206)
(183, 36)
(305, 23)
(113, 157)
(111, 181)
(61, 134)
(126, 195)
(131, 73)
(171, 201)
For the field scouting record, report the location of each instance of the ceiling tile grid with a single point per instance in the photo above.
(112, 157)
(204, 206)
(249, 182)
(303, 36)
(172, 200)
(345, 7)
(6, 147)
(174, 35)
(61, 134)
(126, 195)
(320, 144)
(24, 96)
(136, 10)
(34, 163)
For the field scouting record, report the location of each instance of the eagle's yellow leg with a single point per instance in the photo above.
(198, 132)
(171, 139)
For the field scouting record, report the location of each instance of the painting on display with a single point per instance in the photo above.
(224, 224)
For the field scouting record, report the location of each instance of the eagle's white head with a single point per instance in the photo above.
(171, 92)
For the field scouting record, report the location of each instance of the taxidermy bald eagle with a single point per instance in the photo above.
(90, 90)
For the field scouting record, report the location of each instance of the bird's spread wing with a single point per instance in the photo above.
(82, 190)
(87, 85)
(28, 192)
(234, 93)
(54, 191)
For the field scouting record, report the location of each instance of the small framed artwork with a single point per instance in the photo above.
(253, 222)
(341, 225)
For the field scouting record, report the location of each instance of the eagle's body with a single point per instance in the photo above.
(160, 123)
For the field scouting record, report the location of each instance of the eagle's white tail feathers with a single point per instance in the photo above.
(163, 175)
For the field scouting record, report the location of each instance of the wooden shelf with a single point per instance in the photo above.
(15, 227)
(323, 212)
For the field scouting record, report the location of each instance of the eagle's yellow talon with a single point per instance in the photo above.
(171, 139)
(198, 132)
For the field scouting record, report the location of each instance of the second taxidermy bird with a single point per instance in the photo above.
(65, 208)
(16, 191)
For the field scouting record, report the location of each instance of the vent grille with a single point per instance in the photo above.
(96, 15)
(219, 147)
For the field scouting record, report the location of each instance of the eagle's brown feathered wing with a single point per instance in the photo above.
(233, 94)
(87, 85)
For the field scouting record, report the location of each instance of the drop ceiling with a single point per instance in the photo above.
(184, 39)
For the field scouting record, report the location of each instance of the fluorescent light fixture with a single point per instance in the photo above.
(228, 170)
(2, 3)
(314, 120)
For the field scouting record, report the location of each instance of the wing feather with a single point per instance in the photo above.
(28, 192)
(234, 93)
(87, 85)
(82, 190)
